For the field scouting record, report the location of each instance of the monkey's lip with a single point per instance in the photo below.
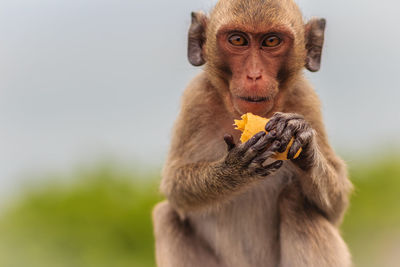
(254, 99)
(254, 104)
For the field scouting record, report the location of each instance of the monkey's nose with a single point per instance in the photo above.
(254, 76)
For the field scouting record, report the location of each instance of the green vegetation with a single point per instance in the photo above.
(102, 218)
(372, 224)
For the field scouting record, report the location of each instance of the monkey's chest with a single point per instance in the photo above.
(245, 231)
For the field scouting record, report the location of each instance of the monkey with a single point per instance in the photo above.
(229, 203)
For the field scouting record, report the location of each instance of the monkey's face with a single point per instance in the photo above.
(253, 51)
(253, 61)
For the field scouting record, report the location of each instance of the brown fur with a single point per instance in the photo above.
(217, 216)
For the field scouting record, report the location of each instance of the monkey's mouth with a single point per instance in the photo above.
(255, 99)
(258, 105)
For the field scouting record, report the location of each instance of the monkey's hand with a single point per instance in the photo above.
(288, 126)
(246, 160)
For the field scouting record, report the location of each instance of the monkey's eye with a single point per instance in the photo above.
(271, 41)
(238, 40)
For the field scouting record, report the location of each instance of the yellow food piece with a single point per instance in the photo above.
(251, 124)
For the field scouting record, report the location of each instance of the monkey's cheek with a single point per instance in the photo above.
(257, 108)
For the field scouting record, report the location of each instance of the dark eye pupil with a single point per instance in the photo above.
(237, 40)
(272, 41)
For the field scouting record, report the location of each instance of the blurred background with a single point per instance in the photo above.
(89, 91)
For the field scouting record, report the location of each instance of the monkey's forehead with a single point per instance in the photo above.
(240, 5)
(257, 13)
(256, 28)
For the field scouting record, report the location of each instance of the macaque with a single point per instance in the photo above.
(230, 204)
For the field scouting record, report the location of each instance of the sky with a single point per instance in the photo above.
(85, 81)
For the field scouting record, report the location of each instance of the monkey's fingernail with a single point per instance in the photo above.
(229, 141)
(228, 138)
(272, 133)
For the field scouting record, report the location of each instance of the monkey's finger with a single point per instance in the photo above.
(301, 140)
(279, 117)
(269, 169)
(275, 146)
(272, 149)
(229, 141)
(250, 154)
(252, 141)
(280, 127)
(264, 142)
(248, 151)
(294, 116)
(263, 157)
(294, 148)
(275, 165)
(260, 147)
(273, 121)
(272, 133)
(288, 133)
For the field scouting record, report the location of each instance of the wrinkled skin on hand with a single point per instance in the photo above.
(247, 159)
(288, 125)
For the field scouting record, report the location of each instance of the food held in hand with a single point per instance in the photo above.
(251, 124)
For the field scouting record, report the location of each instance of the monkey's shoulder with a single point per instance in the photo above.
(202, 107)
(199, 129)
(200, 93)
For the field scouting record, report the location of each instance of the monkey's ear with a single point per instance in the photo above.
(197, 38)
(315, 32)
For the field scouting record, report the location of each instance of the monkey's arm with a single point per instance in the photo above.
(322, 175)
(189, 186)
(325, 182)
(195, 185)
